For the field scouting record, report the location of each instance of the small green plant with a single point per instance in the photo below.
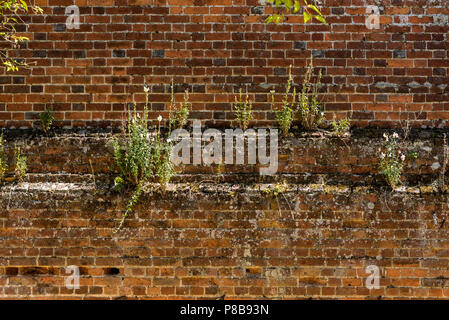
(219, 169)
(340, 127)
(310, 112)
(142, 156)
(3, 160)
(285, 112)
(47, 118)
(21, 164)
(277, 189)
(391, 160)
(243, 111)
(179, 113)
(413, 155)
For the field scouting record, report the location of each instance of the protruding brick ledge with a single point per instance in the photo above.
(310, 158)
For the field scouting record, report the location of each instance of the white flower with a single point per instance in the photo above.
(159, 118)
(403, 157)
(382, 155)
(168, 140)
(272, 91)
(322, 114)
(395, 135)
(146, 88)
(385, 136)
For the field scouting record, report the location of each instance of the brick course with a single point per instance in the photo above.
(215, 48)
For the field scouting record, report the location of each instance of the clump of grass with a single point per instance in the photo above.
(342, 126)
(47, 118)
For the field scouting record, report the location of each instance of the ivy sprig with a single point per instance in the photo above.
(294, 6)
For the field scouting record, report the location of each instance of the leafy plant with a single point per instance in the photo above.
(141, 156)
(413, 155)
(179, 113)
(10, 11)
(47, 118)
(310, 113)
(243, 111)
(391, 160)
(277, 189)
(219, 169)
(3, 160)
(310, 10)
(21, 164)
(285, 112)
(340, 127)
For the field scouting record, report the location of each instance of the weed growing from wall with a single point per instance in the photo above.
(243, 111)
(178, 113)
(285, 112)
(141, 157)
(47, 118)
(310, 111)
(276, 189)
(341, 126)
(391, 160)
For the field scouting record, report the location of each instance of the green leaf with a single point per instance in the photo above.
(320, 18)
(297, 6)
(278, 18)
(311, 6)
(307, 16)
(24, 5)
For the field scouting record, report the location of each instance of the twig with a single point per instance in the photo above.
(443, 168)
(93, 174)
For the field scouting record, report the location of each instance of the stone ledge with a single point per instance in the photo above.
(208, 188)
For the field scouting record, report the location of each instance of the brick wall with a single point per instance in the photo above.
(214, 48)
(211, 235)
(209, 243)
